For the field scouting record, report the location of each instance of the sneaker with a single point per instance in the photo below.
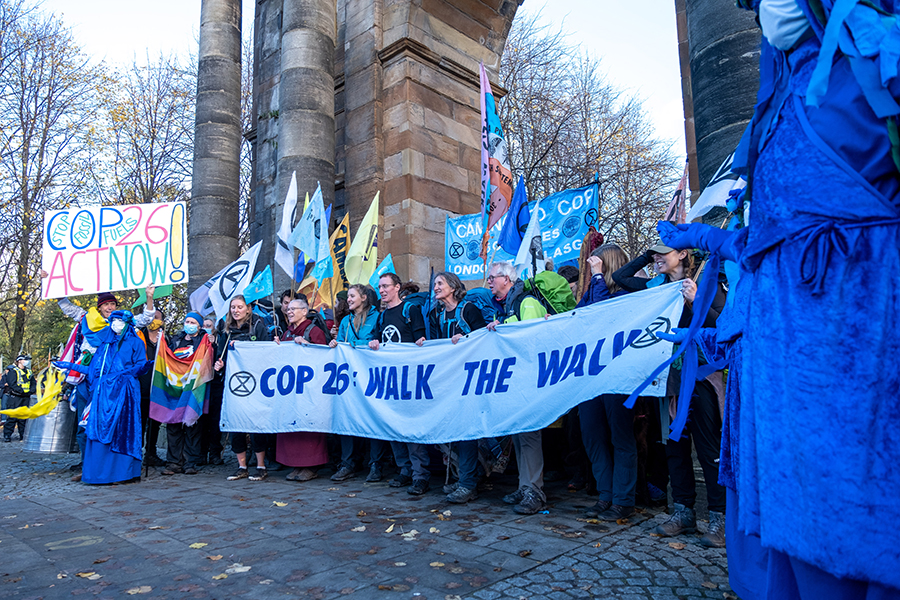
(76, 478)
(616, 512)
(172, 470)
(7, 439)
(515, 497)
(152, 460)
(190, 471)
(375, 474)
(216, 461)
(715, 536)
(461, 495)
(400, 481)
(682, 520)
(450, 487)
(594, 511)
(343, 474)
(241, 473)
(419, 487)
(657, 496)
(531, 502)
(76, 468)
(260, 474)
(306, 475)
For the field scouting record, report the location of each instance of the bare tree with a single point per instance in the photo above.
(47, 105)
(567, 126)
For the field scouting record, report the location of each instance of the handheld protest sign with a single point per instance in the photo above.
(110, 248)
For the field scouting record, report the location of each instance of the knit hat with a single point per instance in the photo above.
(195, 316)
(105, 297)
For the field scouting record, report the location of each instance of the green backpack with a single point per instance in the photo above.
(552, 290)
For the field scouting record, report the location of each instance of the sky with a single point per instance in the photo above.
(635, 41)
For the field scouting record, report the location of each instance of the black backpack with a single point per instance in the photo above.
(317, 321)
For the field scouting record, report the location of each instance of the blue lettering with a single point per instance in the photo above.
(264, 384)
(405, 393)
(505, 373)
(470, 370)
(423, 390)
(390, 388)
(376, 382)
(486, 377)
(619, 345)
(594, 367)
(552, 370)
(285, 380)
(304, 375)
(576, 366)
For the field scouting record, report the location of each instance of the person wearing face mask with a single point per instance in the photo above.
(183, 454)
(704, 426)
(112, 419)
(18, 386)
(149, 334)
(238, 326)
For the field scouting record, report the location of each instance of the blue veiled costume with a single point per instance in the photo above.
(810, 441)
(113, 451)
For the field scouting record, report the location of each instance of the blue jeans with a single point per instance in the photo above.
(607, 428)
(467, 452)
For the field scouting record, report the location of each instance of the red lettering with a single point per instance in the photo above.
(72, 283)
(57, 259)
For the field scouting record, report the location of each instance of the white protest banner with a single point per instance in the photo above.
(227, 283)
(518, 378)
(109, 248)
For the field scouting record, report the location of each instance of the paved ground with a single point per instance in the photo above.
(280, 539)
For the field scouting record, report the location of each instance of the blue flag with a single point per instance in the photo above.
(260, 287)
(386, 266)
(516, 220)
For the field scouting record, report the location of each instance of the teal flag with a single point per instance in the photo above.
(386, 266)
(160, 292)
(260, 287)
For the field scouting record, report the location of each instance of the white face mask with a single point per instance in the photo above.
(118, 326)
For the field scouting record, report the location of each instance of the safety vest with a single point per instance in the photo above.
(23, 379)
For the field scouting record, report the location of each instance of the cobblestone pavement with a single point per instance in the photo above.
(204, 537)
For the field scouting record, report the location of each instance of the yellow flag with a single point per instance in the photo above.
(310, 288)
(363, 255)
(50, 384)
(305, 203)
(339, 244)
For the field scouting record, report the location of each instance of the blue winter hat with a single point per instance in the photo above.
(196, 316)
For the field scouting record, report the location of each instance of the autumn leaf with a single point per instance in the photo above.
(361, 513)
(216, 557)
(436, 564)
(389, 529)
(710, 585)
(360, 528)
(237, 568)
(198, 545)
(676, 545)
(277, 503)
(220, 576)
(399, 564)
(525, 553)
(85, 575)
(100, 561)
(61, 576)
(144, 589)
(434, 530)
(157, 527)
(621, 521)
(597, 545)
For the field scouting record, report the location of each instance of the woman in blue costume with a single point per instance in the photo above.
(113, 428)
(815, 453)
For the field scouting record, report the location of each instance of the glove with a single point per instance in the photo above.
(69, 366)
(696, 235)
(676, 336)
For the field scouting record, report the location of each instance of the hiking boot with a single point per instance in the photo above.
(616, 512)
(260, 474)
(658, 497)
(375, 474)
(76, 478)
(306, 475)
(172, 470)
(241, 473)
(594, 511)
(400, 481)
(76, 468)
(343, 474)
(190, 471)
(531, 502)
(515, 497)
(461, 495)
(7, 439)
(216, 461)
(682, 520)
(152, 460)
(419, 487)
(715, 536)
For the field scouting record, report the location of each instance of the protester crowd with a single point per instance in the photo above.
(623, 455)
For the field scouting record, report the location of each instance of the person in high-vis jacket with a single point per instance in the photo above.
(18, 386)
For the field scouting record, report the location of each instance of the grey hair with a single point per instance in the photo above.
(303, 303)
(506, 267)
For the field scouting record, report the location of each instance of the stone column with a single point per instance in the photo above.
(213, 208)
(724, 77)
(305, 108)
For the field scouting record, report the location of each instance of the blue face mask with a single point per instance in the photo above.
(209, 330)
(191, 328)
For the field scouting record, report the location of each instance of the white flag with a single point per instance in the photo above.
(311, 236)
(716, 191)
(216, 294)
(531, 251)
(284, 254)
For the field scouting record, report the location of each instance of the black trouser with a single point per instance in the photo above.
(211, 435)
(704, 427)
(184, 445)
(260, 441)
(13, 401)
(607, 429)
(352, 448)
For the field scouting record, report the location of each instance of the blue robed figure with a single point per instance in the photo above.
(810, 450)
(113, 417)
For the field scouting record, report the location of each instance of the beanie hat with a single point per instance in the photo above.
(195, 316)
(105, 297)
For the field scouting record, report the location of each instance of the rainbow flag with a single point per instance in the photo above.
(178, 393)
